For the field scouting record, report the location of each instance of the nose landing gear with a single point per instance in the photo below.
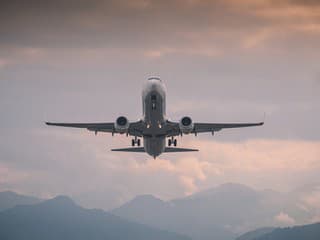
(135, 141)
(172, 141)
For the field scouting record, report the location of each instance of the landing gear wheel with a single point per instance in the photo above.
(132, 142)
(138, 142)
(169, 142)
(175, 142)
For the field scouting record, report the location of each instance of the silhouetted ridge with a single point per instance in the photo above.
(252, 235)
(10, 199)
(306, 232)
(60, 218)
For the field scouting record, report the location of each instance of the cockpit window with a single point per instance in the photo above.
(154, 78)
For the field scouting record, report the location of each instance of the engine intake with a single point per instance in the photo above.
(186, 125)
(121, 124)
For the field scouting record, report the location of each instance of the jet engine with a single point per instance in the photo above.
(186, 125)
(121, 125)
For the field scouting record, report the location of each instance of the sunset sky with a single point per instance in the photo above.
(222, 61)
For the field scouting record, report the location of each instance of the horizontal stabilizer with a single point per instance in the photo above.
(175, 149)
(132, 149)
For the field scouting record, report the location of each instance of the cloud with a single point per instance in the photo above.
(311, 3)
(4, 62)
(311, 202)
(223, 61)
(207, 28)
(10, 176)
(256, 155)
(85, 165)
(284, 219)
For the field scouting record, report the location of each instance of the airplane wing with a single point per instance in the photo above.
(213, 127)
(132, 149)
(135, 128)
(175, 149)
(173, 128)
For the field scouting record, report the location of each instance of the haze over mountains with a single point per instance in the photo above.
(10, 199)
(224, 212)
(307, 232)
(61, 218)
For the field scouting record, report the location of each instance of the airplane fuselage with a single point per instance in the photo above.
(154, 116)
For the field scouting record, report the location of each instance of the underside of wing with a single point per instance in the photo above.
(173, 128)
(132, 149)
(212, 127)
(175, 149)
(134, 129)
(83, 125)
(96, 127)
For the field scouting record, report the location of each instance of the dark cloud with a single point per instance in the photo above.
(305, 2)
(119, 23)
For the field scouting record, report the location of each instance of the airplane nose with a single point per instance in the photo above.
(154, 78)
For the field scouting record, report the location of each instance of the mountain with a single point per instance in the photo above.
(252, 235)
(207, 215)
(223, 212)
(10, 199)
(307, 232)
(61, 218)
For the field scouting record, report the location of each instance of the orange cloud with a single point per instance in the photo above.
(260, 155)
(284, 218)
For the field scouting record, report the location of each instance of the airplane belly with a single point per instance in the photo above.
(154, 146)
(154, 99)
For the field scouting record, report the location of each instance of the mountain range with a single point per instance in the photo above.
(306, 232)
(60, 218)
(10, 199)
(224, 212)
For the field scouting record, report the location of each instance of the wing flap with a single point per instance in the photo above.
(210, 127)
(135, 128)
(174, 149)
(84, 125)
(174, 130)
(132, 149)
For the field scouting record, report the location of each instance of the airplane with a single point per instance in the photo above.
(154, 127)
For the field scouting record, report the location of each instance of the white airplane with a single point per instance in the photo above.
(154, 127)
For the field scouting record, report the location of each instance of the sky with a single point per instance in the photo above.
(221, 61)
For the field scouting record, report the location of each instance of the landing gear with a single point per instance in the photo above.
(135, 141)
(172, 141)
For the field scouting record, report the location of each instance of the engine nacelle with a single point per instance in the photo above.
(186, 125)
(121, 125)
